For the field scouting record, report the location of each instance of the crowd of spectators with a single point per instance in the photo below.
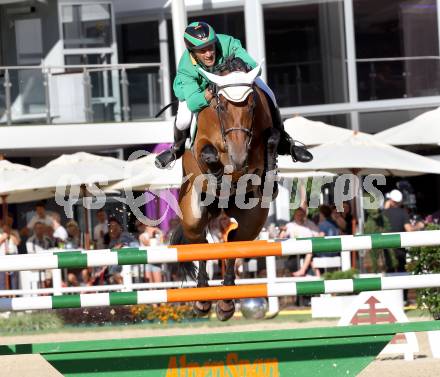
(46, 230)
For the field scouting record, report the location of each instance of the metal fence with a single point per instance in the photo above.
(80, 93)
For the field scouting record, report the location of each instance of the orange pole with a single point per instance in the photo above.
(228, 250)
(217, 293)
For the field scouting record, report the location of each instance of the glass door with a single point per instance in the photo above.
(88, 39)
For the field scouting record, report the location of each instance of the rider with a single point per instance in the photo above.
(206, 49)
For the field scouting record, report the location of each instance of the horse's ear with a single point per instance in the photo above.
(209, 76)
(255, 72)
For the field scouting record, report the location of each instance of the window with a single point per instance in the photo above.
(225, 23)
(338, 120)
(305, 52)
(376, 121)
(139, 42)
(397, 48)
(86, 25)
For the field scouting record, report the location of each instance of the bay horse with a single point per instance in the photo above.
(233, 159)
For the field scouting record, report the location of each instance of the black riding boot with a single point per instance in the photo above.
(164, 159)
(287, 145)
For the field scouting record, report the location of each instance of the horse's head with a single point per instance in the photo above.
(235, 102)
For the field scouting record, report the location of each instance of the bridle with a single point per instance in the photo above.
(220, 110)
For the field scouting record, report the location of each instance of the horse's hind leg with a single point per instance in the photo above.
(250, 222)
(225, 309)
(202, 308)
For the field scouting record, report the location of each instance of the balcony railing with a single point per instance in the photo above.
(80, 93)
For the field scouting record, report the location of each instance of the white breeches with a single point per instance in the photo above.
(265, 88)
(184, 115)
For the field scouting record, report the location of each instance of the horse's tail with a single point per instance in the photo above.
(185, 269)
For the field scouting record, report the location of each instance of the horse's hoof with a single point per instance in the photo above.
(225, 313)
(202, 308)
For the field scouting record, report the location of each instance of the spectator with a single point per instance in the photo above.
(117, 239)
(60, 234)
(300, 227)
(150, 236)
(9, 240)
(39, 241)
(327, 228)
(73, 240)
(8, 245)
(399, 222)
(214, 232)
(172, 268)
(40, 216)
(100, 230)
(337, 219)
(348, 217)
(226, 225)
(10, 223)
(173, 225)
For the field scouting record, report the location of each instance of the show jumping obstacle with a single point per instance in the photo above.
(195, 252)
(339, 351)
(220, 293)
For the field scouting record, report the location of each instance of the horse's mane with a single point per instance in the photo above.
(231, 64)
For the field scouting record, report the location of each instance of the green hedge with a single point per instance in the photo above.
(426, 260)
(25, 322)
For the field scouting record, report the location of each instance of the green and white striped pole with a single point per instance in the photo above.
(220, 293)
(195, 252)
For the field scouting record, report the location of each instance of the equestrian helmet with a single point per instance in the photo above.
(199, 35)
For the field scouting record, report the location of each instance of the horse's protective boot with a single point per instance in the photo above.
(288, 146)
(164, 159)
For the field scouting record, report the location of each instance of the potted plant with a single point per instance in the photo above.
(425, 260)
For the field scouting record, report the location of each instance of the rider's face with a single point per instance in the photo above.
(206, 55)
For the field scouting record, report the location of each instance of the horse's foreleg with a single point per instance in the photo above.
(225, 309)
(270, 166)
(271, 149)
(193, 228)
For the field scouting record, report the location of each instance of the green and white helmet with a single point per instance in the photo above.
(199, 35)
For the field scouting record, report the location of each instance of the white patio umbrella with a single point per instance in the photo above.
(73, 170)
(285, 173)
(362, 154)
(311, 132)
(143, 175)
(11, 173)
(424, 129)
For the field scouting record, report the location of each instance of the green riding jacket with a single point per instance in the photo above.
(189, 85)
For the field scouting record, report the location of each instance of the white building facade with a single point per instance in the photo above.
(103, 69)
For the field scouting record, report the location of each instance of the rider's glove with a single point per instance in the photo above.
(212, 87)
